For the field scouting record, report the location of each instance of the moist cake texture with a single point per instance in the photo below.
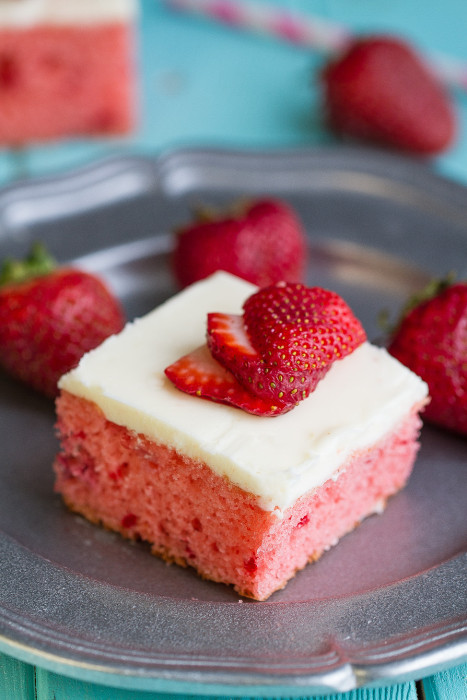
(66, 69)
(246, 500)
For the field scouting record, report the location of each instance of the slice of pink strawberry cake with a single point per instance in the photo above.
(164, 443)
(66, 69)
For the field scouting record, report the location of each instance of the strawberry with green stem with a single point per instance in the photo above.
(49, 317)
(431, 339)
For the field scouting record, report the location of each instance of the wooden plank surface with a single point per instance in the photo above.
(447, 685)
(16, 679)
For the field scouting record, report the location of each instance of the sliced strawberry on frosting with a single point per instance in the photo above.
(286, 341)
(199, 374)
(276, 353)
(292, 323)
(229, 342)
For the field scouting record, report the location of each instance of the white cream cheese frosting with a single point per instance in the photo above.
(360, 400)
(24, 13)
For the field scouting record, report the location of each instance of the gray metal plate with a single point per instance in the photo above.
(389, 603)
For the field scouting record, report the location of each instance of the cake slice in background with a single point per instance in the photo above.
(246, 500)
(67, 69)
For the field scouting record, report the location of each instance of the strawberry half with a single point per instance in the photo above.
(297, 333)
(262, 242)
(273, 356)
(49, 317)
(199, 374)
(229, 342)
(431, 340)
(380, 90)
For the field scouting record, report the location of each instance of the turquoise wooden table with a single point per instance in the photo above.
(204, 84)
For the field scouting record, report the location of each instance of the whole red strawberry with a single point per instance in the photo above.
(274, 355)
(49, 317)
(380, 90)
(432, 341)
(262, 242)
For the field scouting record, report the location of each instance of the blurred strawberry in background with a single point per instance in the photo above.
(261, 241)
(379, 90)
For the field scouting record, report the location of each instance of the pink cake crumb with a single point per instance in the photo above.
(66, 81)
(192, 516)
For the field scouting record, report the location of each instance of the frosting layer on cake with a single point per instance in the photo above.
(24, 13)
(361, 399)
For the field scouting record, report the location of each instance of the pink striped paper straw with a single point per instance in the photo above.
(303, 30)
(263, 19)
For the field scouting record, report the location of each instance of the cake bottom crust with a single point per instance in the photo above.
(192, 516)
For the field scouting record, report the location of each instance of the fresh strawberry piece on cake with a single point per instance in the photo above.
(262, 241)
(431, 339)
(300, 331)
(286, 341)
(245, 499)
(380, 90)
(199, 374)
(67, 69)
(308, 329)
(51, 316)
(229, 344)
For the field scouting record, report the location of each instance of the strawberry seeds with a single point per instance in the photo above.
(272, 357)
